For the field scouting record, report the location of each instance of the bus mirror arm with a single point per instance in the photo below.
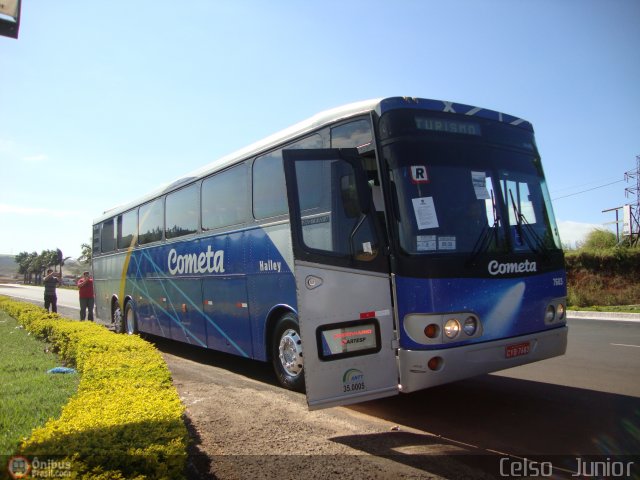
(353, 234)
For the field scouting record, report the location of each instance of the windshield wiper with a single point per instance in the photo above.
(528, 233)
(484, 239)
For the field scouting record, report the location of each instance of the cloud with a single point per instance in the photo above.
(12, 149)
(36, 158)
(31, 211)
(7, 146)
(576, 232)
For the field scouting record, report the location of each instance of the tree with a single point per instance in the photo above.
(49, 258)
(35, 268)
(23, 259)
(32, 264)
(600, 239)
(86, 253)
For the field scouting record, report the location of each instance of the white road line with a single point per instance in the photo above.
(623, 345)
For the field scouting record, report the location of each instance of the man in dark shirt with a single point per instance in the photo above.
(51, 281)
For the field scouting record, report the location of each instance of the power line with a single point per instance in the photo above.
(588, 190)
(573, 187)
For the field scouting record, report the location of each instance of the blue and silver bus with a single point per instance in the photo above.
(381, 247)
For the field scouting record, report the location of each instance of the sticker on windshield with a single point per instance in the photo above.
(426, 243)
(419, 174)
(425, 212)
(479, 180)
(446, 243)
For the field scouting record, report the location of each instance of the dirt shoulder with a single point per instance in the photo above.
(244, 426)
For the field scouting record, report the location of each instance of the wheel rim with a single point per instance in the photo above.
(290, 353)
(131, 325)
(117, 318)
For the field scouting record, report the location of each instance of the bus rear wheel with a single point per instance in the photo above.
(286, 353)
(116, 319)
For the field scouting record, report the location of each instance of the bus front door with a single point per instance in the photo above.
(342, 278)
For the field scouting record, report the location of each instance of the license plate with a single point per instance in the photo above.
(517, 349)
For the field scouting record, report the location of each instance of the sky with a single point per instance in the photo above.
(103, 102)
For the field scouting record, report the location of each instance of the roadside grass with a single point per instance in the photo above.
(603, 279)
(28, 396)
(609, 308)
(125, 420)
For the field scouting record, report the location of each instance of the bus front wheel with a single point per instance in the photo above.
(286, 353)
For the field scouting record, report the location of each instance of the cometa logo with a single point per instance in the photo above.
(210, 261)
(497, 268)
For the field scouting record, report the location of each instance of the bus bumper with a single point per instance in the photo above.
(477, 359)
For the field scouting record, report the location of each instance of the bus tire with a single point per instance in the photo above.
(286, 353)
(130, 319)
(117, 320)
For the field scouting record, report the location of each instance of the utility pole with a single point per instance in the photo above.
(617, 221)
(631, 212)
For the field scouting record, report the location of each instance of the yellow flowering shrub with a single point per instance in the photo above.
(125, 420)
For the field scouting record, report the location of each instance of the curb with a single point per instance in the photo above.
(616, 316)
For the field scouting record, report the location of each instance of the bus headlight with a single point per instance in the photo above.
(452, 328)
(470, 326)
(561, 311)
(550, 314)
(438, 329)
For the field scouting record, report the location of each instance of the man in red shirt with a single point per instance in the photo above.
(85, 286)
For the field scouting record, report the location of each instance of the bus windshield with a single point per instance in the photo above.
(469, 197)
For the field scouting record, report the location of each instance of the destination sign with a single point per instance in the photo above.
(347, 339)
(448, 126)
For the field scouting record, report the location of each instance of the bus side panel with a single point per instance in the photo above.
(145, 286)
(150, 306)
(506, 307)
(194, 291)
(184, 308)
(270, 282)
(226, 304)
(107, 271)
(267, 293)
(225, 309)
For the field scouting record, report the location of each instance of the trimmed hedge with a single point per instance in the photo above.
(613, 261)
(603, 277)
(125, 420)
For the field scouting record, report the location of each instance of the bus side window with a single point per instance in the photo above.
(332, 220)
(127, 228)
(181, 212)
(151, 222)
(352, 134)
(96, 238)
(269, 192)
(108, 236)
(224, 198)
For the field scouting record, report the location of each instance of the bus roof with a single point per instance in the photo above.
(379, 105)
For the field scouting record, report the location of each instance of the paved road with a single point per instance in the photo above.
(603, 355)
(68, 300)
(584, 403)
